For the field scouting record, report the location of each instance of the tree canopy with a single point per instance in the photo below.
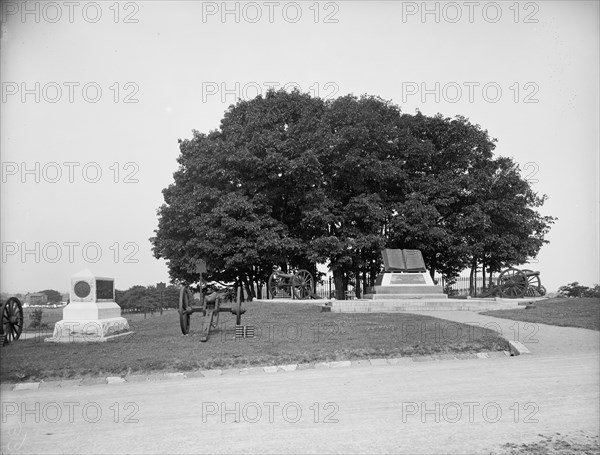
(52, 295)
(293, 180)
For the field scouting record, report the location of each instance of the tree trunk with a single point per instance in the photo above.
(338, 279)
(365, 282)
(483, 276)
(374, 273)
(472, 276)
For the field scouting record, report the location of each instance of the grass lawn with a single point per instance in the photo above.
(566, 312)
(285, 333)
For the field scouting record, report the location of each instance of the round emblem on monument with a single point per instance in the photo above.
(82, 289)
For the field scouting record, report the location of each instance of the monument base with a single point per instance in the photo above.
(405, 285)
(389, 296)
(91, 330)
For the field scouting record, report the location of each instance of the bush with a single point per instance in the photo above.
(593, 292)
(36, 318)
(577, 290)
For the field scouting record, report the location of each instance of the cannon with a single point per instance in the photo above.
(514, 283)
(299, 285)
(12, 320)
(210, 307)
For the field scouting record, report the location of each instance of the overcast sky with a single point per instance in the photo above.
(95, 96)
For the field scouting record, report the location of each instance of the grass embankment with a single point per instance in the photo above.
(285, 333)
(561, 311)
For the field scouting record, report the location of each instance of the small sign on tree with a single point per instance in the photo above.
(201, 266)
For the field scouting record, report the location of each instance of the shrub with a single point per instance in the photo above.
(593, 292)
(577, 290)
(36, 318)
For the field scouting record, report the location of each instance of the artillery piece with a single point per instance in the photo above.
(299, 285)
(12, 320)
(515, 284)
(210, 308)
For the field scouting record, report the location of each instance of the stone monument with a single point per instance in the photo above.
(92, 314)
(404, 277)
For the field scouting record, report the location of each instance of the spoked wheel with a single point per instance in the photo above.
(276, 284)
(535, 285)
(215, 319)
(238, 307)
(12, 319)
(185, 310)
(302, 284)
(513, 283)
(542, 291)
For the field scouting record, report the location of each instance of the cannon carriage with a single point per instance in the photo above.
(211, 306)
(516, 283)
(299, 285)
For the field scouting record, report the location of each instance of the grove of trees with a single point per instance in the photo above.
(147, 298)
(578, 290)
(53, 296)
(290, 180)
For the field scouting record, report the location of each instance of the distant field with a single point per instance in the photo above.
(285, 333)
(51, 316)
(561, 311)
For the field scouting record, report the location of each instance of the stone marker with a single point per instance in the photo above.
(92, 314)
(404, 277)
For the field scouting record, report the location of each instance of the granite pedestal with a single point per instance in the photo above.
(92, 314)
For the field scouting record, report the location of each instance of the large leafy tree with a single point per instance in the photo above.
(241, 191)
(292, 180)
(53, 296)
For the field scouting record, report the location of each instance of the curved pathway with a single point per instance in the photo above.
(450, 406)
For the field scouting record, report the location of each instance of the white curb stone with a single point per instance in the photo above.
(340, 364)
(212, 373)
(518, 348)
(27, 386)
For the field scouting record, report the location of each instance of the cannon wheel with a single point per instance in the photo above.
(12, 319)
(276, 284)
(214, 322)
(513, 283)
(542, 291)
(215, 319)
(535, 285)
(238, 307)
(185, 310)
(302, 284)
